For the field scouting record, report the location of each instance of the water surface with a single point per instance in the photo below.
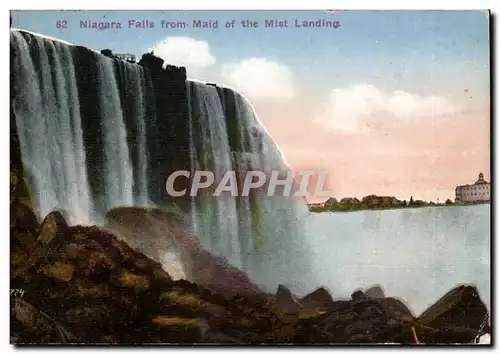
(415, 254)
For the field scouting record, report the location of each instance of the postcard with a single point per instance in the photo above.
(316, 177)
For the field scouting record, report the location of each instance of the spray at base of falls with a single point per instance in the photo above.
(97, 133)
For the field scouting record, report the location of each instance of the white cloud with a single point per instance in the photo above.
(260, 78)
(185, 51)
(407, 105)
(347, 107)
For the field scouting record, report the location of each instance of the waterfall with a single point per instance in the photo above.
(261, 234)
(97, 133)
(133, 86)
(57, 133)
(49, 126)
(119, 180)
(215, 219)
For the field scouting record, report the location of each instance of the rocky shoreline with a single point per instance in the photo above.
(82, 284)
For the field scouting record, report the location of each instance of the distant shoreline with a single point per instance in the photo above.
(344, 208)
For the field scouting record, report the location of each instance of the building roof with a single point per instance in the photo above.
(470, 185)
(480, 180)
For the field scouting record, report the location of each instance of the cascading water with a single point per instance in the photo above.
(133, 87)
(213, 217)
(51, 132)
(119, 177)
(261, 234)
(98, 133)
(48, 121)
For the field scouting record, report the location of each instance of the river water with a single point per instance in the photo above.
(416, 255)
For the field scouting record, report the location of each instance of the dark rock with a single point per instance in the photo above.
(455, 318)
(39, 323)
(23, 226)
(396, 309)
(53, 229)
(184, 330)
(105, 291)
(22, 216)
(286, 300)
(357, 321)
(221, 338)
(375, 292)
(108, 53)
(318, 299)
(430, 335)
(358, 295)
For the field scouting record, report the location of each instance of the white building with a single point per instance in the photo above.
(124, 56)
(477, 192)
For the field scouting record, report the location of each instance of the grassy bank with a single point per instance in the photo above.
(358, 207)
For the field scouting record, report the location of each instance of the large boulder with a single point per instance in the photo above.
(458, 317)
(319, 299)
(461, 306)
(375, 292)
(286, 300)
(358, 295)
(53, 229)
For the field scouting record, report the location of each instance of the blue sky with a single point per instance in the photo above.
(396, 49)
(393, 93)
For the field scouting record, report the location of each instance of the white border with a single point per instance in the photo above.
(188, 5)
